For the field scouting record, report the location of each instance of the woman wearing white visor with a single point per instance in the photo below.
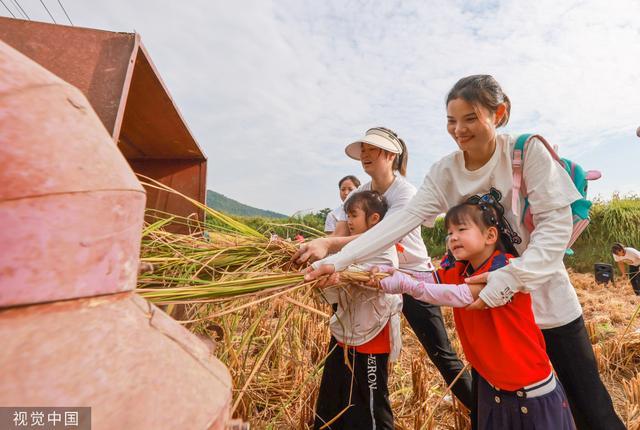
(384, 158)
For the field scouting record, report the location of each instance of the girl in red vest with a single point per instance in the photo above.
(516, 385)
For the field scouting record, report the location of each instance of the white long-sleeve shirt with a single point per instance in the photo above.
(539, 269)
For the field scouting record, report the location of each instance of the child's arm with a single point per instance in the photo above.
(457, 296)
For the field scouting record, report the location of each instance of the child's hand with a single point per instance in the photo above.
(397, 283)
(333, 277)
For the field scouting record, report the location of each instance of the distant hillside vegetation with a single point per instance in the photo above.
(222, 203)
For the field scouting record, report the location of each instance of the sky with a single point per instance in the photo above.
(274, 90)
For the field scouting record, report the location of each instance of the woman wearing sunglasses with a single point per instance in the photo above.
(383, 156)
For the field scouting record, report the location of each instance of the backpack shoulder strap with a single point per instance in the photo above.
(547, 145)
(517, 161)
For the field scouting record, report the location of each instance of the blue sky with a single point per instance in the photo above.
(274, 90)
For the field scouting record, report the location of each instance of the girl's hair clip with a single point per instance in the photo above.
(491, 216)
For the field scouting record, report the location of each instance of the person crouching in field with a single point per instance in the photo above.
(516, 385)
(365, 335)
(630, 256)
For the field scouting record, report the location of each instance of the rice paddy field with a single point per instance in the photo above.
(234, 286)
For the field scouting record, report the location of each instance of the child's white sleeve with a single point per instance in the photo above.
(540, 262)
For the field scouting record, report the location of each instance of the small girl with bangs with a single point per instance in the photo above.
(516, 386)
(365, 336)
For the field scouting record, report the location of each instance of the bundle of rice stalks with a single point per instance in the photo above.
(192, 269)
(215, 261)
(207, 254)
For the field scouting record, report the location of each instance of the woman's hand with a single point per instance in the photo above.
(478, 305)
(312, 251)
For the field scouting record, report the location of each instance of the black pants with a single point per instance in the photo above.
(367, 386)
(634, 277)
(575, 364)
(426, 321)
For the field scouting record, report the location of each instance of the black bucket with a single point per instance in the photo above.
(603, 273)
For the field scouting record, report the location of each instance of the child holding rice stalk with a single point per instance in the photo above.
(365, 336)
(516, 385)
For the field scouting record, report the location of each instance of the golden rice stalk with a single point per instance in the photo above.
(592, 331)
(631, 389)
(236, 225)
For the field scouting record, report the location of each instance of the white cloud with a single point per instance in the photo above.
(274, 90)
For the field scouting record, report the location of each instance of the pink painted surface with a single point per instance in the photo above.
(126, 359)
(71, 209)
(69, 245)
(71, 214)
(52, 140)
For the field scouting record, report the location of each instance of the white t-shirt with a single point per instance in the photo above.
(412, 252)
(631, 256)
(539, 269)
(330, 222)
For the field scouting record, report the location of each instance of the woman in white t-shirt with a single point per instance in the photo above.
(384, 158)
(346, 185)
(482, 167)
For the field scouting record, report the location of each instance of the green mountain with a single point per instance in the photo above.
(222, 203)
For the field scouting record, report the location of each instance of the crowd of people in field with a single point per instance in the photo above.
(516, 313)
